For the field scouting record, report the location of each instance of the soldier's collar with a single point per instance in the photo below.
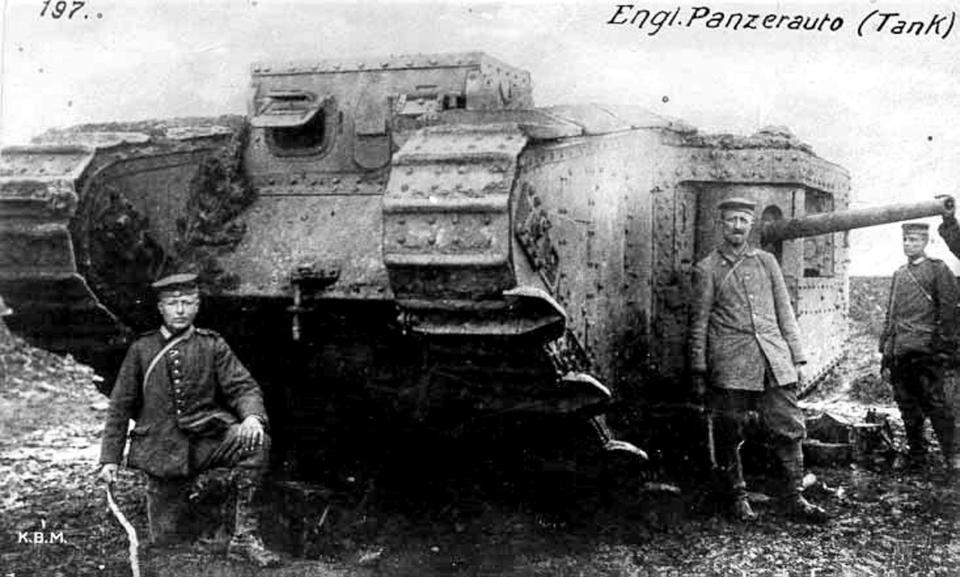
(917, 260)
(732, 256)
(167, 334)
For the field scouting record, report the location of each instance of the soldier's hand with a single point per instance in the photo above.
(949, 206)
(107, 473)
(885, 374)
(801, 377)
(251, 434)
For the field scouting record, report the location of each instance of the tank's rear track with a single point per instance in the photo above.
(75, 253)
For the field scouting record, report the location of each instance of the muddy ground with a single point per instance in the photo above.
(54, 519)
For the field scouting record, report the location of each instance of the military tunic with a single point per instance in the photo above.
(921, 311)
(744, 337)
(743, 322)
(192, 396)
(918, 333)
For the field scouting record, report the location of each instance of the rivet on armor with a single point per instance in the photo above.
(401, 240)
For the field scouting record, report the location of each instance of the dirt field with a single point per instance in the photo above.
(55, 521)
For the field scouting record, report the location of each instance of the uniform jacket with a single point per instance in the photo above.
(950, 232)
(742, 321)
(921, 311)
(197, 388)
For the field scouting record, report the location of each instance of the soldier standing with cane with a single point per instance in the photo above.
(745, 355)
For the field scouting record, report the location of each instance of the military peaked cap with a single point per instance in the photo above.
(916, 227)
(742, 204)
(176, 282)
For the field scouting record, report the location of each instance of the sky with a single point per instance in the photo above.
(884, 106)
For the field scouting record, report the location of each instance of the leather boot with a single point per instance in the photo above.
(166, 512)
(953, 465)
(792, 502)
(246, 544)
(803, 511)
(742, 511)
(944, 429)
(912, 462)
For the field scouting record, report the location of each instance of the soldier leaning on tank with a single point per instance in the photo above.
(745, 356)
(196, 408)
(917, 341)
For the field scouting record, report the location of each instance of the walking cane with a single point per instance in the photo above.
(131, 532)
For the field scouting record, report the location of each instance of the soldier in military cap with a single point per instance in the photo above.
(918, 337)
(745, 355)
(196, 407)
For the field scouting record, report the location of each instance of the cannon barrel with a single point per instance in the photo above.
(817, 224)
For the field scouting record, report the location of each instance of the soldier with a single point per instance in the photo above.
(196, 407)
(918, 337)
(745, 355)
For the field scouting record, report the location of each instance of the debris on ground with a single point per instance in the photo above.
(56, 521)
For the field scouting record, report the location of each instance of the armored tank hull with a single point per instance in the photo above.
(408, 244)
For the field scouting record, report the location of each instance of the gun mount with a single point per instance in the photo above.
(816, 224)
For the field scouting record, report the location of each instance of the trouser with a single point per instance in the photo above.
(166, 498)
(782, 419)
(917, 381)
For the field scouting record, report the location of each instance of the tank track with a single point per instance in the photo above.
(449, 251)
(74, 245)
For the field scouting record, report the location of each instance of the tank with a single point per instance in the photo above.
(407, 245)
